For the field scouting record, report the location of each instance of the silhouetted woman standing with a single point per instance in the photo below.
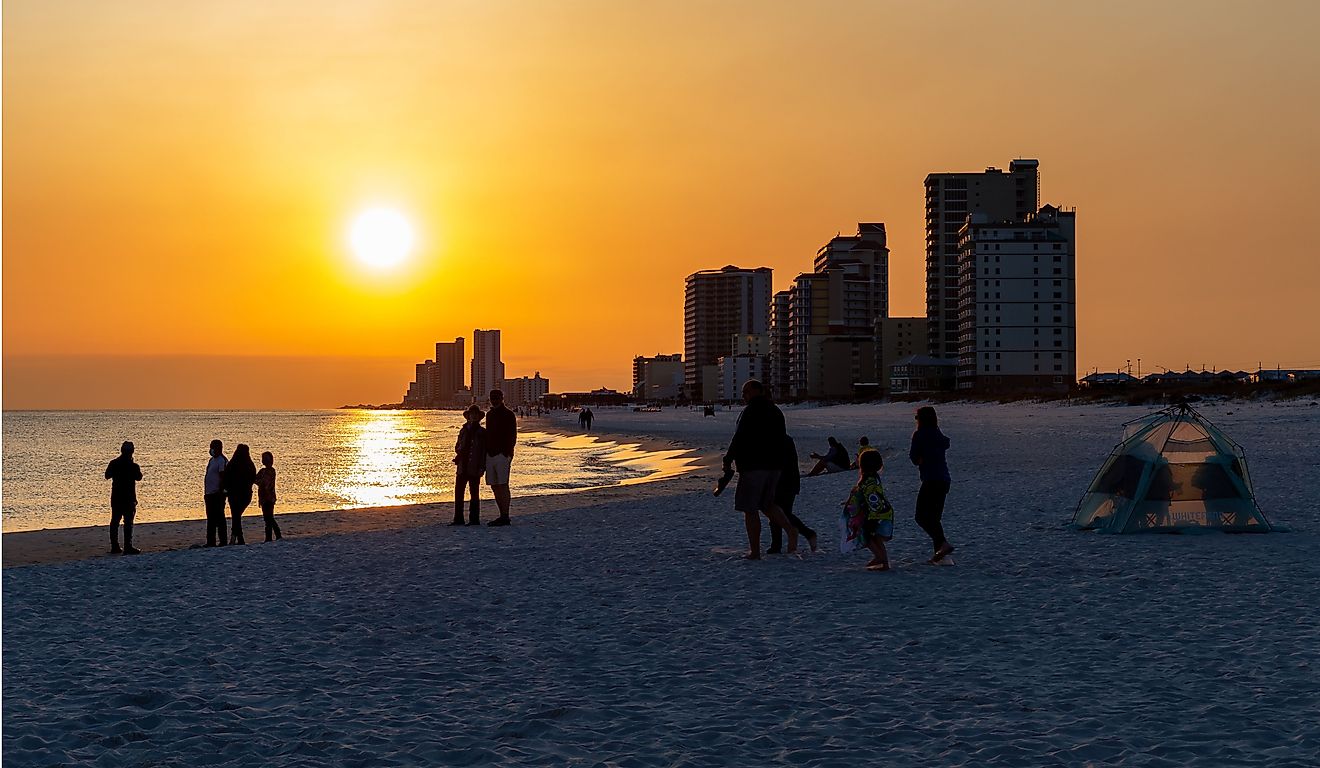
(240, 475)
(928, 447)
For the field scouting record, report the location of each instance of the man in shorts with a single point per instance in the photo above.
(501, 436)
(757, 450)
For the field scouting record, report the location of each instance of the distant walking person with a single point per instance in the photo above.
(501, 437)
(469, 463)
(240, 475)
(591, 416)
(266, 494)
(582, 419)
(928, 447)
(786, 491)
(124, 475)
(757, 450)
(217, 534)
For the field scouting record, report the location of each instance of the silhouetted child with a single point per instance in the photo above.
(868, 502)
(266, 494)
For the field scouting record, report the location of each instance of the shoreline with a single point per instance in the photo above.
(49, 546)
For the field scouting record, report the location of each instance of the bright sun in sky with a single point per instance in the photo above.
(381, 237)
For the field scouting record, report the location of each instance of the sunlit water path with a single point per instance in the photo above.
(54, 461)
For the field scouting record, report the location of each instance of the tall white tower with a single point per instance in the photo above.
(487, 368)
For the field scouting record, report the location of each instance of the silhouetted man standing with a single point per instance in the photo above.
(501, 436)
(217, 534)
(124, 475)
(757, 450)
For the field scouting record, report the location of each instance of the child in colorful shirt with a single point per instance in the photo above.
(872, 510)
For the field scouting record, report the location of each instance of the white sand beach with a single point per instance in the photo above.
(621, 628)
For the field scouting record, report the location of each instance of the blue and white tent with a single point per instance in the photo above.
(1173, 472)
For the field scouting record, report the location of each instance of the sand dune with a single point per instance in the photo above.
(629, 633)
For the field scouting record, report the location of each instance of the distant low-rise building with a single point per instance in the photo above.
(525, 390)
(895, 339)
(658, 378)
(922, 373)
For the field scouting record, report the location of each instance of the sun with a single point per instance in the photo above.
(381, 237)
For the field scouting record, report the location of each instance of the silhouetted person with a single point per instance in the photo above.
(757, 450)
(582, 419)
(834, 460)
(469, 463)
(501, 436)
(217, 534)
(927, 452)
(266, 494)
(591, 416)
(124, 476)
(786, 491)
(863, 446)
(240, 476)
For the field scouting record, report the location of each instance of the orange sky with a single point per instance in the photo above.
(179, 176)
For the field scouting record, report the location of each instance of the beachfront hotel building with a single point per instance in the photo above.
(1018, 302)
(658, 378)
(525, 390)
(950, 197)
(719, 304)
(832, 316)
(487, 368)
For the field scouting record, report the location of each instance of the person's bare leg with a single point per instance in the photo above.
(881, 560)
(502, 498)
(778, 517)
(818, 469)
(459, 483)
(753, 522)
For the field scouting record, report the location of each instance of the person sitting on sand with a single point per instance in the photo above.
(863, 445)
(124, 475)
(757, 449)
(240, 476)
(786, 491)
(834, 460)
(501, 437)
(877, 514)
(928, 447)
(469, 462)
(213, 489)
(266, 494)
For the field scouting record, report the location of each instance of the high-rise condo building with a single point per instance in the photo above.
(450, 364)
(777, 363)
(717, 304)
(1018, 303)
(950, 197)
(487, 368)
(832, 315)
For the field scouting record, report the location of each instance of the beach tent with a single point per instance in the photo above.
(1173, 472)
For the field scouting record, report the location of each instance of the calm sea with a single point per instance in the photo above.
(54, 461)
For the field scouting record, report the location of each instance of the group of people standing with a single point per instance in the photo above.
(768, 482)
(585, 417)
(233, 479)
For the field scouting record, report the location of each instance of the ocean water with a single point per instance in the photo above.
(54, 461)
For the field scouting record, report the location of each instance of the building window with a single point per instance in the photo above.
(996, 369)
(1058, 343)
(1058, 295)
(1057, 259)
(1058, 283)
(1058, 307)
(1058, 355)
(1058, 367)
(1058, 318)
(1058, 331)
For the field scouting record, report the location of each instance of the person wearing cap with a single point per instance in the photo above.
(124, 475)
(470, 461)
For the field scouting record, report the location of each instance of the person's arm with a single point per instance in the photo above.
(733, 444)
(914, 453)
(109, 470)
(137, 472)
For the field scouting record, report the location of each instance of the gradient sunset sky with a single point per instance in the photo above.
(179, 177)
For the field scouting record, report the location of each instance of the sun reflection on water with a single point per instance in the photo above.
(385, 468)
